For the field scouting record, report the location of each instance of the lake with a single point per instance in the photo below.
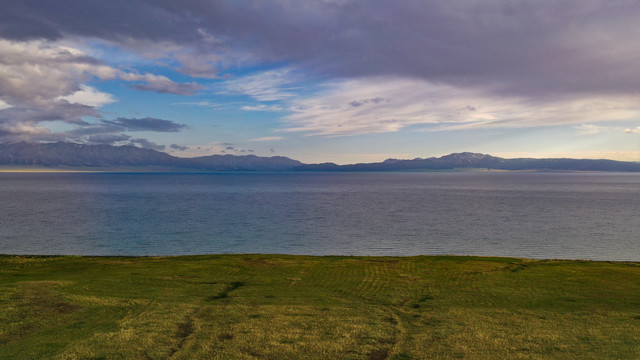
(522, 214)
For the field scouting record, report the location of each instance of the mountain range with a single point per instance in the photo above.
(63, 155)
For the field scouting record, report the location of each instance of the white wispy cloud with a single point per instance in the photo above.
(207, 104)
(591, 129)
(388, 104)
(632, 131)
(272, 85)
(262, 107)
(268, 138)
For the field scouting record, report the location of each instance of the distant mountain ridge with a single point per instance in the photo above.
(63, 155)
(78, 155)
(244, 162)
(71, 155)
(467, 160)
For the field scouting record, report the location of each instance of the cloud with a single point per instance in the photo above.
(89, 96)
(199, 103)
(262, 107)
(146, 124)
(46, 81)
(4, 105)
(178, 147)
(590, 129)
(146, 144)
(450, 65)
(22, 123)
(526, 48)
(37, 73)
(161, 84)
(52, 111)
(403, 102)
(376, 100)
(7, 129)
(107, 138)
(268, 138)
(269, 85)
(632, 131)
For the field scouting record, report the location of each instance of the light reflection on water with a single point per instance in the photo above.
(535, 215)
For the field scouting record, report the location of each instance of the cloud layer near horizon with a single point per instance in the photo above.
(529, 47)
(332, 67)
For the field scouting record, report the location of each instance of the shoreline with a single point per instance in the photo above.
(189, 171)
(319, 257)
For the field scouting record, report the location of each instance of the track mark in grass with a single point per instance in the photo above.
(225, 293)
(515, 266)
(220, 295)
(402, 356)
(225, 336)
(182, 333)
(185, 329)
(426, 297)
(235, 284)
(391, 320)
(379, 354)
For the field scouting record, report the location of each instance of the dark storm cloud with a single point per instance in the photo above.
(146, 124)
(533, 48)
(51, 20)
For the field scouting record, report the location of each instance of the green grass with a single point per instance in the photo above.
(300, 307)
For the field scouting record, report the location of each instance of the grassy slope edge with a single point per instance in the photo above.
(301, 307)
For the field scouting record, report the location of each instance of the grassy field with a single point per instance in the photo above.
(299, 307)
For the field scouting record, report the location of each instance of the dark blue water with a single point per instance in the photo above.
(535, 215)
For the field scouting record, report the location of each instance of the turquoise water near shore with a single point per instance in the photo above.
(535, 215)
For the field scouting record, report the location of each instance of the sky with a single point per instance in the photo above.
(327, 80)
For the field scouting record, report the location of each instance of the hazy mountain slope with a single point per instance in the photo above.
(70, 154)
(246, 162)
(60, 154)
(105, 157)
(478, 161)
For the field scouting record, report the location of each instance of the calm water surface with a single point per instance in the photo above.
(535, 215)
